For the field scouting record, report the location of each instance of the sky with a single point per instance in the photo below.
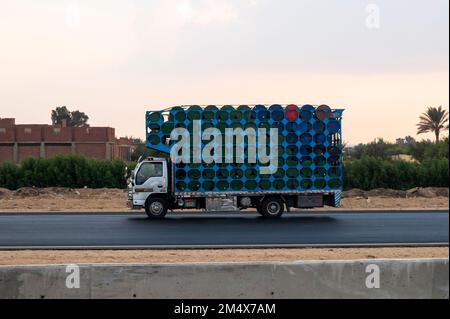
(384, 61)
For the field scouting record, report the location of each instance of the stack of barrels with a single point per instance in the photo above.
(309, 154)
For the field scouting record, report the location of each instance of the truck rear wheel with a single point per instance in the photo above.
(272, 207)
(156, 208)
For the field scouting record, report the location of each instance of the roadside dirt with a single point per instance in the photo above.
(190, 256)
(62, 199)
(87, 200)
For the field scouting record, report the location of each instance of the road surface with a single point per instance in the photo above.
(134, 230)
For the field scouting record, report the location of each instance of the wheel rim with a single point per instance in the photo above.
(273, 208)
(156, 208)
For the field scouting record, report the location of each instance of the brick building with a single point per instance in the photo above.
(19, 141)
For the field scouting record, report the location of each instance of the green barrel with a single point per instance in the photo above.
(319, 150)
(292, 150)
(306, 172)
(208, 174)
(194, 113)
(208, 186)
(236, 116)
(246, 113)
(155, 128)
(154, 139)
(154, 121)
(292, 184)
(251, 185)
(251, 173)
(194, 174)
(223, 185)
(334, 183)
(320, 183)
(155, 117)
(334, 172)
(306, 161)
(265, 184)
(222, 174)
(320, 160)
(292, 161)
(292, 172)
(280, 173)
(177, 114)
(224, 113)
(181, 186)
(209, 113)
(320, 172)
(194, 186)
(237, 185)
(306, 184)
(278, 184)
(180, 174)
(167, 128)
(236, 173)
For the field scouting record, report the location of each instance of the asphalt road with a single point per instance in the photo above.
(128, 230)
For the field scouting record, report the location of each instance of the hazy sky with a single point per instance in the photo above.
(116, 59)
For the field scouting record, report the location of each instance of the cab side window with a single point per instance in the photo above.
(148, 170)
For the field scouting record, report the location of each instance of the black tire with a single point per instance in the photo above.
(272, 207)
(156, 208)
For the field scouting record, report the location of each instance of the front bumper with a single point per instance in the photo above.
(130, 204)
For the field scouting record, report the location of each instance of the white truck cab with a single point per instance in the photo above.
(149, 179)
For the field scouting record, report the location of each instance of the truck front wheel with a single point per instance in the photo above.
(156, 208)
(272, 207)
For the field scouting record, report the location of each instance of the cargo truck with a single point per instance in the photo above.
(212, 159)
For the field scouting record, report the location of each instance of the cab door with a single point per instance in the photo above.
(151, 177)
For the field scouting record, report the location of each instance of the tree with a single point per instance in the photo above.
(406, 141)
(73, 119)
(433, 120)
(79, 119)
(60, 114)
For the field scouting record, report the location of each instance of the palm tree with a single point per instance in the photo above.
(433, 120)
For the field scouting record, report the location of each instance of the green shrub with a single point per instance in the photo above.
(77, 172)
(64, 171)
(9, 173)
(370, 172)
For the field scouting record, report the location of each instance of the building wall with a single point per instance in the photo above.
(6, 152)
(18, 142)
(29, 133)
(57, 134)
(7, 122)
(52, 150)
(97, 151)
(28, 150)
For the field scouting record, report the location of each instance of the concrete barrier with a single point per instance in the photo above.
(417, 278)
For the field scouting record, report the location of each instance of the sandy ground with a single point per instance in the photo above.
(227, 255)
(113, 200)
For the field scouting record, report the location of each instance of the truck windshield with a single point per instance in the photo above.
(148, 170)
